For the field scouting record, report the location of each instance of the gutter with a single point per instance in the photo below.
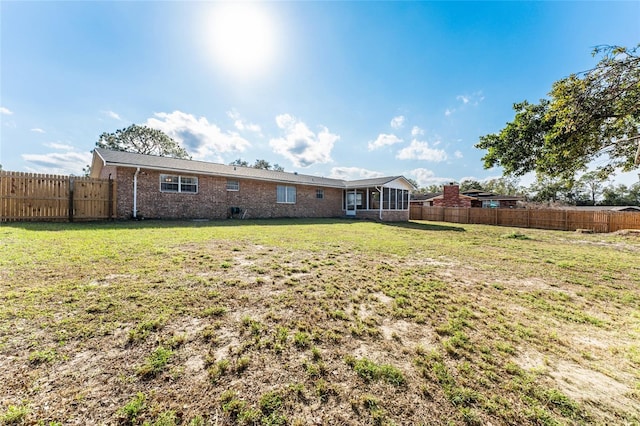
(135, 193)
(231, 175)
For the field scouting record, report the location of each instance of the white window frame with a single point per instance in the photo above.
(320, 194)
(285, 194)
(233, 185)
(182, 183)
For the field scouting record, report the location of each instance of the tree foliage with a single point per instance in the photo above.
(589, 188)
(142, 140)
(470, 184)
(505, 185)
(239, 162)
(552, 189)
(621, 195)
(590, 115)
(259, 164)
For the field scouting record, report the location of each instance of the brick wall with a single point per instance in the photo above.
(387, 215)
(451, 198)
(213, 201)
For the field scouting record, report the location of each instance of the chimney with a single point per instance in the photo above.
(451, 195)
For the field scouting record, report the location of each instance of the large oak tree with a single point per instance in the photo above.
(142, 140)
(589, 115)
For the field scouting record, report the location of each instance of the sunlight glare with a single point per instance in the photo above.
(243, 38)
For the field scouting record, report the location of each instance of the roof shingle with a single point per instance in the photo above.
(130, 159)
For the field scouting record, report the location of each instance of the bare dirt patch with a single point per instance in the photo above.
(453, 316)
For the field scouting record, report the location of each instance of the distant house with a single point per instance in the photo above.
(452, 197)
(490, 200)
(420, 199)
(169, 188)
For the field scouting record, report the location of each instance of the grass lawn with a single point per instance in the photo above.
(317, 322)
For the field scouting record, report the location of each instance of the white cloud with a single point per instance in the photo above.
(467, 100)
(242, 124)
(418, 150)
(353, 173)
(458, 154)
(113, 115)
(426, 177)
(61, 163)
(5, 111)
(384, 140)
(416, 131)
(473, 99)
(200, 138)
(37, 130)
(300, 144)
(397, 122)
(59, 146)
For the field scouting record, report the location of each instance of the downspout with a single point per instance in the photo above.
(135, 193)
(381, 201)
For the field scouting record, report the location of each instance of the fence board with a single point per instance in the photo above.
(44, 197)
(567, 220)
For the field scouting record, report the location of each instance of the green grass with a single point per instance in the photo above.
(134, 408)
(155, 363)
(370, 371)
(298, 321)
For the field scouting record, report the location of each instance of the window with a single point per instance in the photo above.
(320, 193)
(393, 199)
(188, 184)
(490, 204)
(286, 194)
(175, 183)
(233, 185)
(169, 183)
(354, 200)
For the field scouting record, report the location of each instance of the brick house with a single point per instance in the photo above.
(156, 187)
(452, 197)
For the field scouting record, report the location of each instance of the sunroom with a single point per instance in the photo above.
(384, 198)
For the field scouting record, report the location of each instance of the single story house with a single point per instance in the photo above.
(150, 186)
(452, 197)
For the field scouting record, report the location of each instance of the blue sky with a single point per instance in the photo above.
(341, 89)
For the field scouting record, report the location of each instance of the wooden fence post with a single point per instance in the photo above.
(110, 199)
(71, 199)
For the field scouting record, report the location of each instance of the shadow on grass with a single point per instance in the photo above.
(422, 226)
(164, 223)
(169, 223)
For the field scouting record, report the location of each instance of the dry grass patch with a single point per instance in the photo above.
(298, 322)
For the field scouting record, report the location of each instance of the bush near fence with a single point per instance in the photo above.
(564, 220)
(43, 197)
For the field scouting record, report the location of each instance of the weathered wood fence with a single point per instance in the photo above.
(41, 197)
(566, 220)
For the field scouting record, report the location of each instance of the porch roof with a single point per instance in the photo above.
(399, 182)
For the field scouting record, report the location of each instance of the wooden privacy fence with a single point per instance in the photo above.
(40, 197)
(565, 220)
